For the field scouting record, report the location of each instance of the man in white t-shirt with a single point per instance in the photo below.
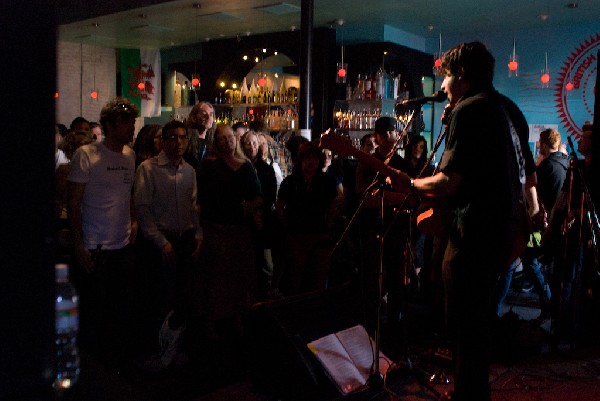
(99, 210)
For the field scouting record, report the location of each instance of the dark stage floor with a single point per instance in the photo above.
(526, 366)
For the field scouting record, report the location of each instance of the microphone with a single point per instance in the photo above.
(438, 96)
(573, 153)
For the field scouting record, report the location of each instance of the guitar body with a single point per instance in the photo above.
(433, 218)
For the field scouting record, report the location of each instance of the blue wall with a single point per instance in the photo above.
(573, 45)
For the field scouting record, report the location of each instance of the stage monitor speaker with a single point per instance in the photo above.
(278, 332)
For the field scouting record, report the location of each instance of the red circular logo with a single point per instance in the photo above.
(575, 89)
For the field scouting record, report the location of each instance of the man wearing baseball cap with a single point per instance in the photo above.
(395, 228)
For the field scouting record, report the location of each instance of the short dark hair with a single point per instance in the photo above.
(293, 145)
(171, 126)
(78, 120)
(475, 59)
(118, 107)
(310, 149)
(385, 124)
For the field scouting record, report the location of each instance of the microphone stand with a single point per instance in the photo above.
(585, 201)
(375, 379)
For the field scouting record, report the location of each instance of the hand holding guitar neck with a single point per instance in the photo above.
(446, 113)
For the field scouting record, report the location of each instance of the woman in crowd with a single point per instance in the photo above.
(416, 157)
(306, 207)
(147, 143)
(229, 198)
(266, 175)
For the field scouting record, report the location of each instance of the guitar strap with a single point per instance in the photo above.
(525, 222)
(517, 147)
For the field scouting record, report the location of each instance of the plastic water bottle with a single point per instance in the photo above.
(67, 326)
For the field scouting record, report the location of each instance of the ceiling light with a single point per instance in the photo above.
(543, 17)
(244, 57)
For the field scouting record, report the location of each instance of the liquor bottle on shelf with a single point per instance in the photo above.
(396, 88)
(359, 90)
(177, 95)
(252, 94)
(404, 92)
(389, 86)
(244, 91)
(369, 91)
(184, 93)
(191, 99)
(379, 83)
(283, 92)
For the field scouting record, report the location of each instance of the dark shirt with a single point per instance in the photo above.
(268, 183)
(222, 191)
(551, 175)
(306, 206)
(479, 147)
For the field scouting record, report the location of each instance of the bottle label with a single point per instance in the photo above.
(67, 319)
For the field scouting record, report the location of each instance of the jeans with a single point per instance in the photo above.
(533, 269)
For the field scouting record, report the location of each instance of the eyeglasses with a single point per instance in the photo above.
(175, 137)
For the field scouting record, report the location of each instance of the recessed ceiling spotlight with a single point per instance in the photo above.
(207, 39)
(248, 33)
(293, 28)
(430, 27)
(572, 5)
(543, 17)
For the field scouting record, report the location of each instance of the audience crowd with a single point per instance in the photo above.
(173, 236)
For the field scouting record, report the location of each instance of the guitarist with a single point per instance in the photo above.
(485, 169)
